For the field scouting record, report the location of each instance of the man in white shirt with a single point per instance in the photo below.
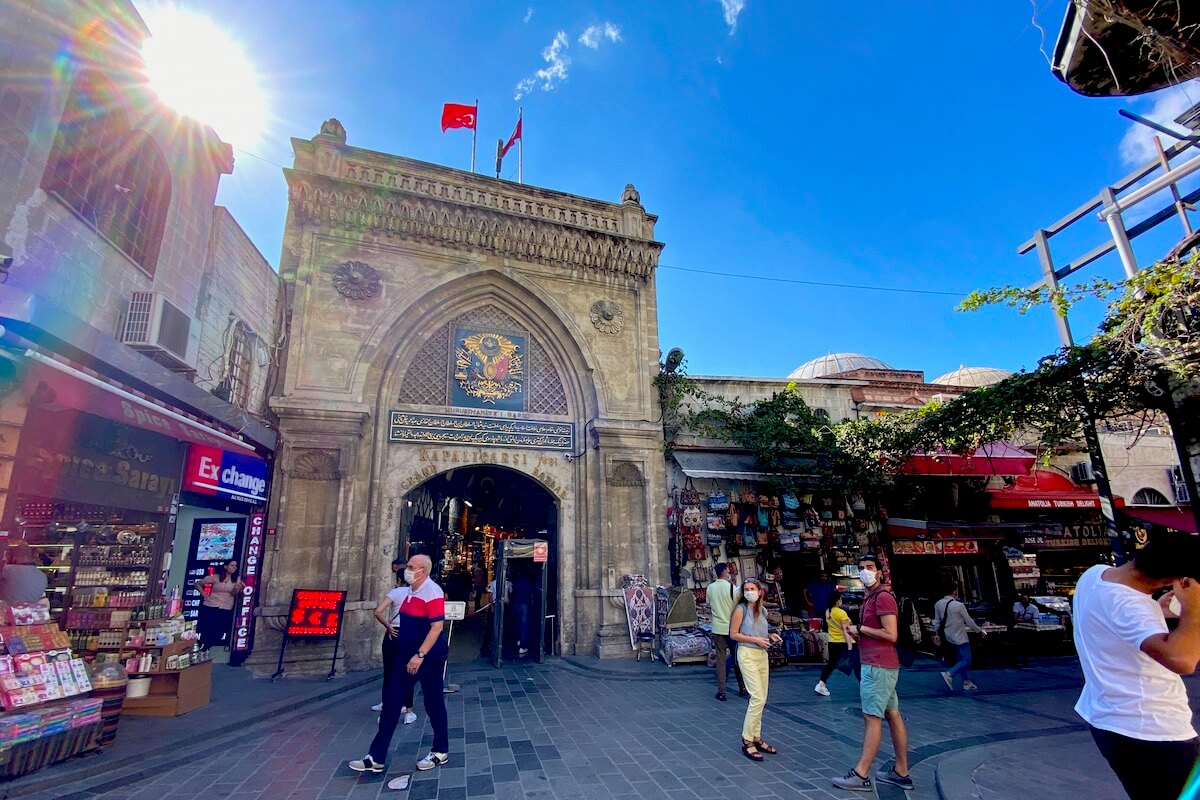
(1025, 610)
(1133, 698)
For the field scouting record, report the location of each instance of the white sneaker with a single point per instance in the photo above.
(949, 679)
(820, 689)
(523, 651)
(969, 686)
(410, 718)
(366, 764)
(432, 760)
(377, 707)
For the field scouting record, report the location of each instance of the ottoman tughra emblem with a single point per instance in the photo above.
(607, 316)
(356, 280)
(489, 367)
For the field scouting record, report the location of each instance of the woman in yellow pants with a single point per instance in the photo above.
(748, 627)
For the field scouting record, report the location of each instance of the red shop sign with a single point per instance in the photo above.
(316, 613)
(251, 563)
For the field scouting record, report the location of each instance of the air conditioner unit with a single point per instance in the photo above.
(1081, 472)
(1179, 486)
(156, 327)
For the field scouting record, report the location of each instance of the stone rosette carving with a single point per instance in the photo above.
(356, 280)
(607, 316)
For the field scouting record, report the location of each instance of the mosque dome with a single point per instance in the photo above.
(836, 364)
(972, 377)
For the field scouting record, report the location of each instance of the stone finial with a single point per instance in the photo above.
(332, 127)
(631, 196)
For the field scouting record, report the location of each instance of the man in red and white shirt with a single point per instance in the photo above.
(420, 656)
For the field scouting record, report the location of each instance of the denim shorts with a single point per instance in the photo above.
(878, 690)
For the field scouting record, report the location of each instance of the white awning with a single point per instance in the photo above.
(733, 466)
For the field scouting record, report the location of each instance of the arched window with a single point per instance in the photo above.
(1150, 497)
(134, 210)
(240, 367)
(92, 127)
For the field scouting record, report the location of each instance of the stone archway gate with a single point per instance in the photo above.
(438, 318)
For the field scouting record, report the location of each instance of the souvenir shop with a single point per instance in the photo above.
(722, 509)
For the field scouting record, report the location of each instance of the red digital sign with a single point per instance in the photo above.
(251, 562)
(316, 613)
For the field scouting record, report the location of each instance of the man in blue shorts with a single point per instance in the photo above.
(877, 632)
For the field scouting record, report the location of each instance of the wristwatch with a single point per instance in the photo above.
(420, 654)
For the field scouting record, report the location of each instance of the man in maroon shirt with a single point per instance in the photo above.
(877, 632)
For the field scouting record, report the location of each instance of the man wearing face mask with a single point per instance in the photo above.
(420, 655)
(877, 632)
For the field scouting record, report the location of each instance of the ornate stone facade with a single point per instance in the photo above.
(498, 281)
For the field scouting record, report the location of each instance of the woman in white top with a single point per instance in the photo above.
(220, 592)
(386, 613)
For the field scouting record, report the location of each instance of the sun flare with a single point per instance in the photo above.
(203, 73)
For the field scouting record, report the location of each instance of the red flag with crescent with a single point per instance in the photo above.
(457, 115)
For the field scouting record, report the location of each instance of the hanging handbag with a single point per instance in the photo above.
(749, 497)
(790, 519)
(693, 516)
(762, 518)
(760, 538)
(717, 501)
(716, 522)
(748, 537)
(790, 541)
(690, 496)
(791, 502)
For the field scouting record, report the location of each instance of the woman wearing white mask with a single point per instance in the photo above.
(748, 627)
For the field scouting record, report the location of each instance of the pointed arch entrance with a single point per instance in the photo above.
(458, 518)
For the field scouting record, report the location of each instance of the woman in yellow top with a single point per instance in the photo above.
(840, 640)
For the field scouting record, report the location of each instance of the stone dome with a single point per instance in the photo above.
(836, 364)
(972, 377)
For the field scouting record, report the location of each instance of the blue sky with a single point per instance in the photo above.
(909, 145)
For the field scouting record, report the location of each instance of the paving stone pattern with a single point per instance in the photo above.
(580, 730)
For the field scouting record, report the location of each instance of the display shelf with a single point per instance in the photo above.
(115, 566)
(112, 586)
(174, 692)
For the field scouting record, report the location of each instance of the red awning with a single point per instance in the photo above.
(997, 458)
(1176, 518)
(1044, 490)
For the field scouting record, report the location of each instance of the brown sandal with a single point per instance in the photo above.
(750, 751)
(764, 747)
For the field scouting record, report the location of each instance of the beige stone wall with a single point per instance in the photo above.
(380, 254)
(238, 285)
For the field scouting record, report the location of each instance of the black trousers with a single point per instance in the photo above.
(1148, 770)
(837, 651)
(400, 686)
(389, 658)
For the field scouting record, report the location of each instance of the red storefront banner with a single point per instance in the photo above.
(1044, 491)
(251, 562)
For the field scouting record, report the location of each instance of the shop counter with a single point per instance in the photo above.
(173, 692)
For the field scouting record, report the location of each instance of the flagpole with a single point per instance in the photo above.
(474, 134)
(520, 147)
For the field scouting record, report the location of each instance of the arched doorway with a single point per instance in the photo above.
(456, 518)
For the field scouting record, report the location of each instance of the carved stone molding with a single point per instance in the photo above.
(446, 224)
(607, 316)
(626, 473)
(314, 465)
(356, 280)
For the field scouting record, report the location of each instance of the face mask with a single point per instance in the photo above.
(410, 575)
(752, 596)
(868, 577)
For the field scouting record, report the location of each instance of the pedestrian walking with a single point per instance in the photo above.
(387, 612)
(1133, 697)
(818, 594)
(420, 657)
(748, 627)
(722, 598)
(840, 640)
(952, 625)
(877, 632)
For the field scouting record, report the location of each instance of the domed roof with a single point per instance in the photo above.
(972, 377)
(835, 364)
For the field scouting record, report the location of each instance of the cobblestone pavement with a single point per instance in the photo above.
(582, 729)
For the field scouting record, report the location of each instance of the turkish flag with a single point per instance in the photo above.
(456, 115)
(512, 139)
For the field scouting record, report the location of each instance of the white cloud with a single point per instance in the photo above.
(528, 14)
(555, 71)
(1137, 145)
(592, 34)
(732, 9)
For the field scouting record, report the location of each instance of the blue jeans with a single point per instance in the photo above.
(521, 618)
(959, 671)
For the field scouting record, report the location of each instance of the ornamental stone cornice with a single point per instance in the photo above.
(345, 188)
